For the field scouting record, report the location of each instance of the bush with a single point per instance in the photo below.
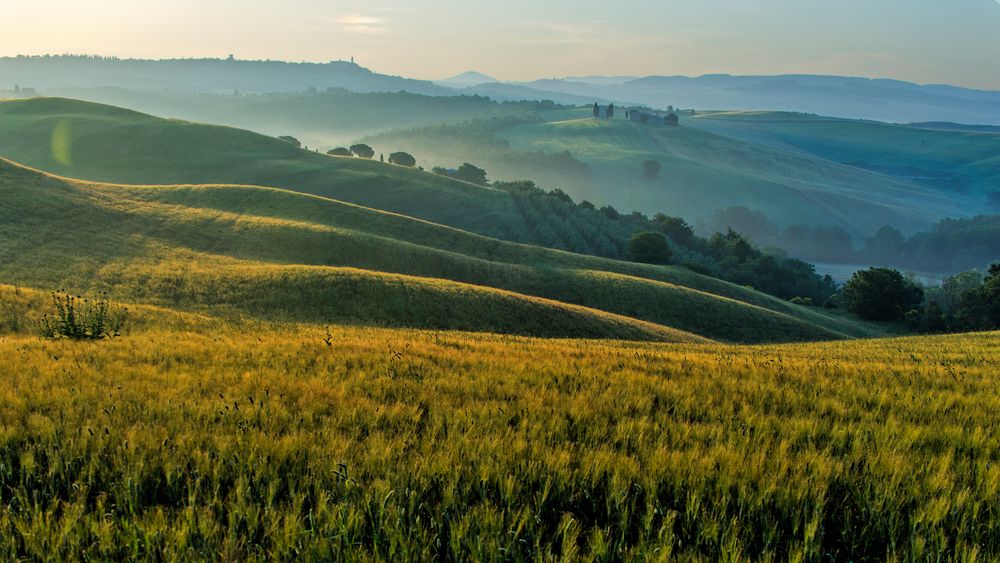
(77, 318)
(649, 248)
(402, 159)
(804, 301)
(290, 139)
(339, 151)
(362, 150)
(882, 294)
(471, 173)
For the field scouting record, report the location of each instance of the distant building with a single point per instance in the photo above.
(28, 92)
(648, 118)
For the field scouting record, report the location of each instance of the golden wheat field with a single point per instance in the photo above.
(192, 438)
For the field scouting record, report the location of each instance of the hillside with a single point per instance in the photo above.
(954, 160)
(705, 168)
(284, 255)
(104, 143)
(322, 119)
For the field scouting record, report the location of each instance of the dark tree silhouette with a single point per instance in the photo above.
(290, 139)
(882, 294)
(676, 228)
(362, 150)
(649, 248)
(339, 151)
(402, 159)
(471, 173)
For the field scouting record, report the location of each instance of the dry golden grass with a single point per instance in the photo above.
(291, 442)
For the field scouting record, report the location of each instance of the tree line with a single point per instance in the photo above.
(950, 245)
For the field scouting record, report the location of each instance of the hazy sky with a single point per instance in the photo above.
(927, 41)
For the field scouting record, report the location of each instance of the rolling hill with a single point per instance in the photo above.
(321, 119)
(711, 162)
(282, 255)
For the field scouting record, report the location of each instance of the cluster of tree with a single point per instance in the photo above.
(554, 220)
(477, 141)
(609, 112)
(466, 172)
(950, 245)
(362, 150)
(965, 302)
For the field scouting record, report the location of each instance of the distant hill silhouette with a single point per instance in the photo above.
(201, 75)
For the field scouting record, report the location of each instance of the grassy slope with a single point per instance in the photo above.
(404, 445)
(704, 171)
(952, 160)
(130, 236)
(104, 143)
(322, 119)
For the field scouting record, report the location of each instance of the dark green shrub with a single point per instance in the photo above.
(362, 150)
(402, 159)
(882, 294)
(291, 139)
(339, 151)
(649, 248)
(78, 318)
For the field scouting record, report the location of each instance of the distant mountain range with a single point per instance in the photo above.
(215, 76)
(835, 96)
(855, 98)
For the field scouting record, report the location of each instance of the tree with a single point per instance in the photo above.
(597, 110)
(650, 169)
(339, 151)
(362, 150)
(471, 173)
(742, 219)
(291, 139)
(676, 228)
(610, 213)
(611, 111)
(649, 248)
(980, 307)
(885, 245)
(519, 187)
(402, 159)
(561, 196)
(882, 294)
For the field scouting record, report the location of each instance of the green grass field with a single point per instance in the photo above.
(198, 438)
(108, 144)
(954, 161)
(325, 261)
(806, 170)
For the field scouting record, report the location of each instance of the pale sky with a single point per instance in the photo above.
(925, 41)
